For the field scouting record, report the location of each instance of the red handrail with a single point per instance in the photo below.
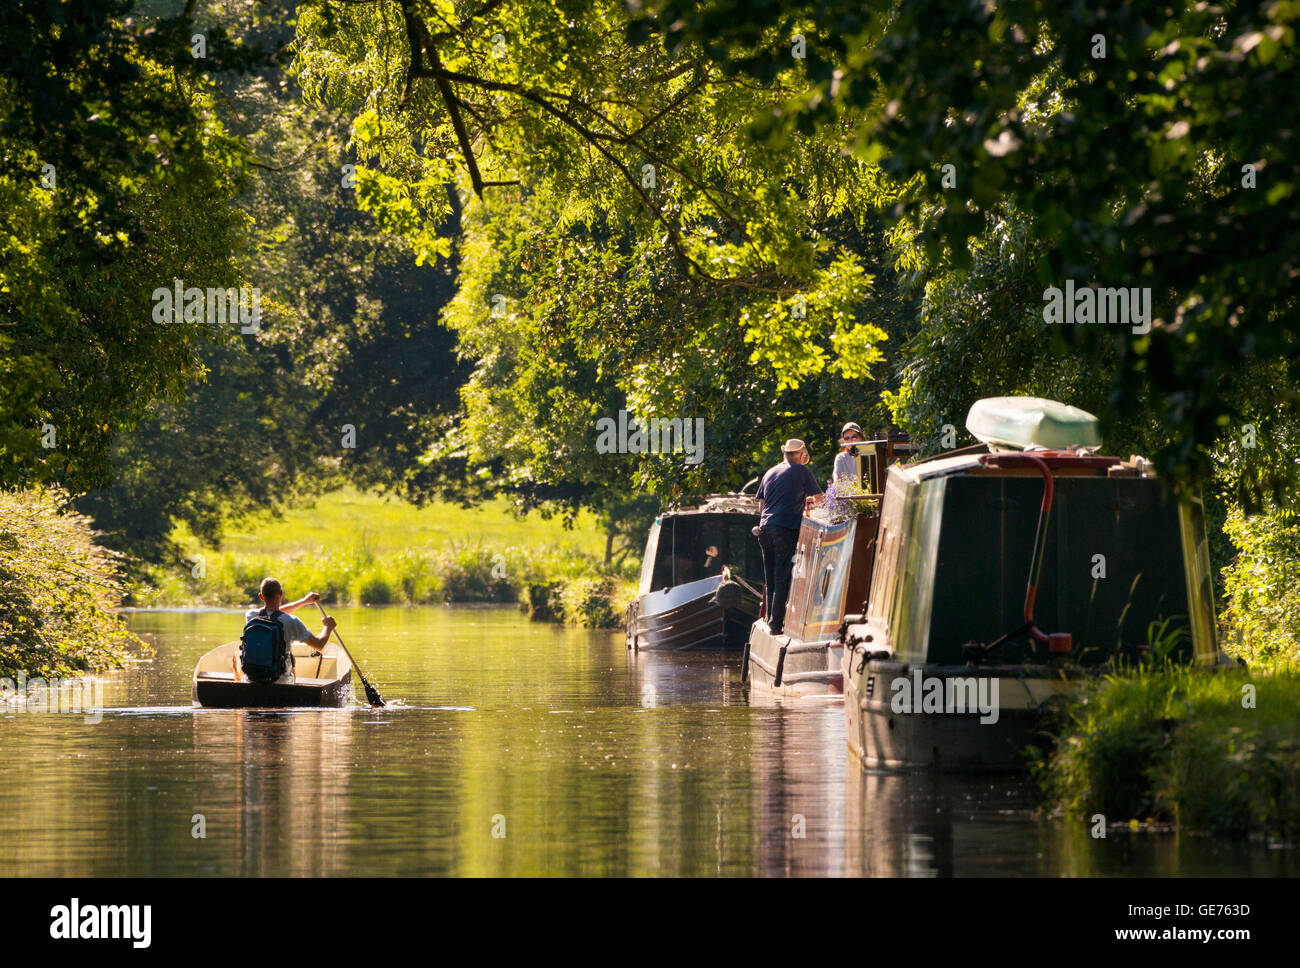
(1040, 539)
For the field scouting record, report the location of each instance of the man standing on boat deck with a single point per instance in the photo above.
(272, 596)
(780, 507)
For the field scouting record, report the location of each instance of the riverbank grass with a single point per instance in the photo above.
(1209, 751)
(364, 549)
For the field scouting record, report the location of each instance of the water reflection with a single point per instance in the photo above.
(271, 788)
(516, 748)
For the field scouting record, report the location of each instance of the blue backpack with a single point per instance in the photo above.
(263, 649)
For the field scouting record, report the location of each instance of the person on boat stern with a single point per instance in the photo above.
(780, 508)
(846, 464)
(272, 596)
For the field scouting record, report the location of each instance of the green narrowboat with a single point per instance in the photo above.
(1004, 577)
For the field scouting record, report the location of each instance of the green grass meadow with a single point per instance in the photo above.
(366, 549)
(349, 519)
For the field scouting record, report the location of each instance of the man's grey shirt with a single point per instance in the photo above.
(294, 630)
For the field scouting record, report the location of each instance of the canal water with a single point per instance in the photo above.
(513, 748)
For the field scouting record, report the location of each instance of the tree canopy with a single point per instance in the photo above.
(114, 181)
(484, 228)
(1149, 145)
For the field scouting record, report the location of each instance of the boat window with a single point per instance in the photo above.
(648, 561)
(696, 546)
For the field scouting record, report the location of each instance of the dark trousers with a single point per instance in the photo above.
(778, 546)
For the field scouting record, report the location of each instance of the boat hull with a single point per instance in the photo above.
(709, 614)
(215, 685)
(218, 694)
(788, 666)
(884, 734)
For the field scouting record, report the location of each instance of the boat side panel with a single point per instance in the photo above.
(1124, 528)
(1200, 585)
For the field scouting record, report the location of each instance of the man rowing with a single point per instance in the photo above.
(266, 654)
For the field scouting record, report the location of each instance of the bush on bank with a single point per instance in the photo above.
(552, 584)
(1211, 751)
(58, 592)
(1262, 586)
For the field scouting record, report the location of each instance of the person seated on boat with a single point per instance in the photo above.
(781, 498)
(846, 463)
(712, 561)
(272, 596)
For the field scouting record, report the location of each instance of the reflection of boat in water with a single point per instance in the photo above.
(686, 678)
(950, 666)
(275, 790)
(832, 570)
(323, 679)
(698, 577)
(932, 824)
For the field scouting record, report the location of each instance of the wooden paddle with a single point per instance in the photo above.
(372, 694)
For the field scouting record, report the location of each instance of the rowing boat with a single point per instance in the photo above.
(323, 680)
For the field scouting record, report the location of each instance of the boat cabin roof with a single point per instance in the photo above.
(1063, 463)
(717, 504)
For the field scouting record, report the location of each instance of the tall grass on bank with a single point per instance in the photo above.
(58, 592)
(365, 549)
(1211, 751)
(557, 583)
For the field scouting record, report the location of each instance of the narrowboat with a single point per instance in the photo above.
(832, 567)
(322, 679)
(1005, 575)
(701, 578)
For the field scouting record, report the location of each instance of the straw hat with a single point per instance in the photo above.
(794, 446)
